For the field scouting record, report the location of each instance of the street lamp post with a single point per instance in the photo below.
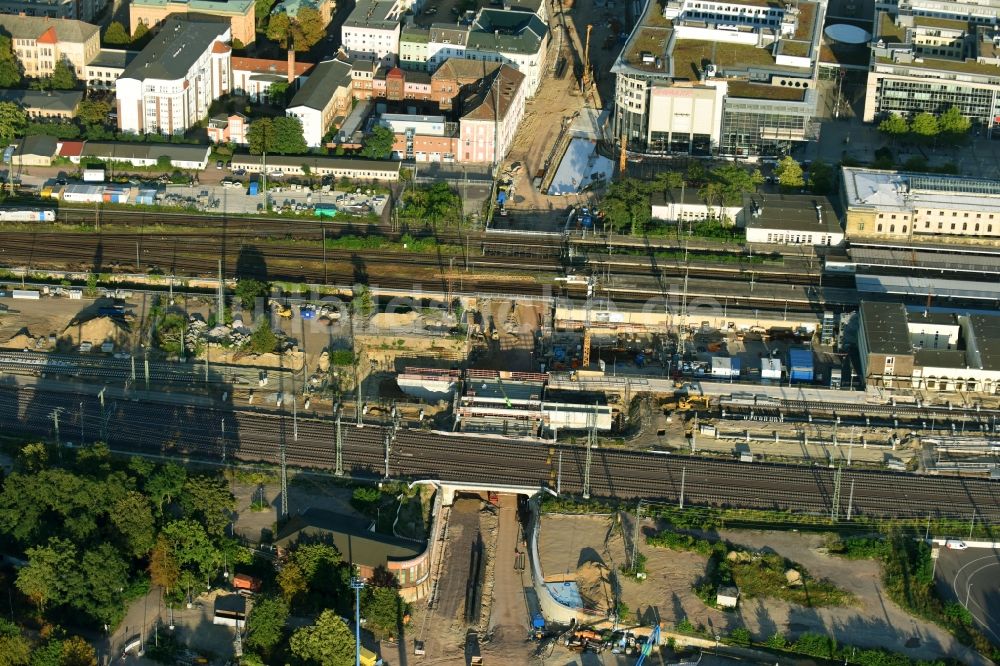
(357, 583)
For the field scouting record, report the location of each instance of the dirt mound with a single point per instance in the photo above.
(595, 588)
(20, 340)
(98, 330)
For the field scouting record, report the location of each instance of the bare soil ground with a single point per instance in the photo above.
(666, 595)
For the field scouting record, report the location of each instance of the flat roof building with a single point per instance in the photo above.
(897, 205)
(704, 78)
(790, 219)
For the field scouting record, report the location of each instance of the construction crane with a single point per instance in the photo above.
(586, 60)
(506, 400)
(653, 641)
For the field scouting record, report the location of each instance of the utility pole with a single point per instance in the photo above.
(850, 502)
(221, 299)
(284, 473)
(81, 422)
(223, 426)
(835, 509)
(340, 447)
(357, 584)
(145, 364)
(591, 443)
(680, 503)
(55, 422)
(559, 476)
(972, 524)
(357, 380)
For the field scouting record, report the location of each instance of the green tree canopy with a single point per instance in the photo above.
(432, 205)
(953, 123)
(63, 76)
(789, 173)
(207, 500)
(383, 608)
(93, 112)
(12, 121)
(196, 556)
(14, 647)
(262, 11)
(140, 33)
(282, 135)
(248, 290)
(48, 577)
(307, 28)
(626, 206)
(263, 340)
(165, 485)
(116, 34)
(10, 68)
(266, 623)
(279, 27)
(328, 642)
(925, 126)
(377, 144)
(894, 125)
(821, 178)
(132, 517)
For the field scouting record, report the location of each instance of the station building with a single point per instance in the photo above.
(928, 351)
(900, 206)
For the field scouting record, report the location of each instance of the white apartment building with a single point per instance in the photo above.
(170, 85)
(371, 31)
(325, 96)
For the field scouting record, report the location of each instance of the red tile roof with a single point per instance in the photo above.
(48, 37)
(71, 149)
(262, 66)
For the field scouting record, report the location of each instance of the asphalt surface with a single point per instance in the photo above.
(226, 434)
(972, 578)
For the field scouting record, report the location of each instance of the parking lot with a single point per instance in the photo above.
(284, 197)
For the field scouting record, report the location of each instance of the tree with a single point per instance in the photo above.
(104, 575)
(277, 92)
(208, 500)
(362, 303)
(262, 11)
(14, 648)
(164, 570)
(292, 581)
(279, 27)
(197, 558)
(953, 123)
(12, 122)
(276, 135)
(307, 28)
(165, 485)
(93, 112)
(10, 68)
(821, 178)
(735, 181)
(249, 290)
(789, 173)
(116, 34)
(669, 180)
(925, 126)
(49, 574)
(140, 33)
(266, 623)
(63, 76)
(132, 517)
(328, 642)
(263, 340)
(377, 145)
(894, 125)
(384, 609)
(77, 652)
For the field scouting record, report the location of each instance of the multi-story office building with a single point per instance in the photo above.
(170, 85)
(731, 78)
(241, 14)
(929, 56)
(81, 10)
(40, 43)
(901, 206)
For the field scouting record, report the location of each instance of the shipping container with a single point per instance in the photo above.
(800, 365)
(83, 193)
(94, 174)
(253, 188)
(28, 294)
(770, 368)
(325, 210)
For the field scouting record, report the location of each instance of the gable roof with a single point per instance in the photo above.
(53, 100)
(507, 31)
(38, 144)
(356, 543)
(322, 85)
(482, 104)
(464, 69)
(176, 48)
(36, 27)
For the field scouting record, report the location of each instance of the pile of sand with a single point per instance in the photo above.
(385, 320)
(98, 330)
(20, 340)
(595, 588)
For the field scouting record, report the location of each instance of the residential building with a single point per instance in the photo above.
(685, 206)
(253, 77)
(230, 128)
(371, 31)
(102, 72)
(34, 151)
(445, 41)
(730, 78)
(325, 96)
(170, 85)
(929, 56)
(80, 10)
(181, 156)
(372, 80)
(491, 115)
(515, 38)
(39, 43)
(422, 138)
(407, 560)
(894, 205)
(928, 351)
(335, 167)
(48, 104)
(790, 219)
(239, 13)
(455, 77)
(413, 47)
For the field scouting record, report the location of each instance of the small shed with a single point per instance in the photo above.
(230, 610)
(724, 366)
(770, 368)
(727, 596)
(800, 364)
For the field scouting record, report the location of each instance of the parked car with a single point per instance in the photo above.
(218, 164)
(955, 544)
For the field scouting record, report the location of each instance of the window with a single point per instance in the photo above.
(892, 228)
(880, 227)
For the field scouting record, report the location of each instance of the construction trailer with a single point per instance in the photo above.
(801, 367)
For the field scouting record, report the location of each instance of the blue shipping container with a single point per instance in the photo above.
(253, 188)
(800, 365)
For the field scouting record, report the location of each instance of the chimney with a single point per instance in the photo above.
(291, 66)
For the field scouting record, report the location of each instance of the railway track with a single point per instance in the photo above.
(226, 435)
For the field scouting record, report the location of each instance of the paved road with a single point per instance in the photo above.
(972, 577)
